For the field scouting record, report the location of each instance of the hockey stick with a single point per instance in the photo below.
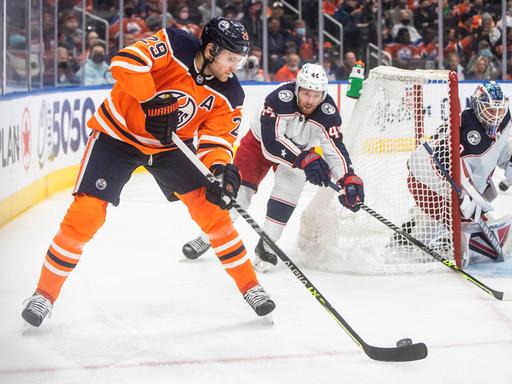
(488, 234)
(408, 352)
(504, 296)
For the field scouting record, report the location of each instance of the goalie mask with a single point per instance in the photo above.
(313, 77)
(489, 106)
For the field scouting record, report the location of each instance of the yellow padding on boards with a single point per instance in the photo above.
(391, 145)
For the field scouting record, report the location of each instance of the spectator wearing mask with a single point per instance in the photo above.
(95, 70)
(493, 64)
(65, 68)
(406, 22)
(288, 72)
(306, 45)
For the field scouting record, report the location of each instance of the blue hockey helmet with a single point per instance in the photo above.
(490, 106)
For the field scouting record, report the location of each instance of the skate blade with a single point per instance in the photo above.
(27, 328)
(262, 266)
(269, 319)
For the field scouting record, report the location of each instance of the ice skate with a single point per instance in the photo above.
(259, 300)
(265, 258)
(195, 248)
(36, 309)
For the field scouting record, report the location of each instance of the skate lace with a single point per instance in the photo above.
(199, 245)
(39, 305)
(256, 296)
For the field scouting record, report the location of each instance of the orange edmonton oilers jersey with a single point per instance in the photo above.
(164, 62)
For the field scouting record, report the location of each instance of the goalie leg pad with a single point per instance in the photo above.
(475, 243)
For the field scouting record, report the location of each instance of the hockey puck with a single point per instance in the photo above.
(403, 342)
(503, 186)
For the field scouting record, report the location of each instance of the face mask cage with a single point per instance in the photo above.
(490, 114)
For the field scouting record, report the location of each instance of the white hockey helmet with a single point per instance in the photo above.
(490, 106)
(313, 77)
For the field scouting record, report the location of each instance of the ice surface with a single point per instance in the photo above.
(134, 311)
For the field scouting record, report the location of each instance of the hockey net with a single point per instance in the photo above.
(397, 110)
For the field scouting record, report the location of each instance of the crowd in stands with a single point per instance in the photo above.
(472, 43)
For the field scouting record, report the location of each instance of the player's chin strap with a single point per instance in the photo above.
(201, 75)
(470, 190)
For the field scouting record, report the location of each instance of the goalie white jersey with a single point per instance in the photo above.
(285, 132)
(480, 155)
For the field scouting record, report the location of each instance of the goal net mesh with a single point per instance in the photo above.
(397, 111)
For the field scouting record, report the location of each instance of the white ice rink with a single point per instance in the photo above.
(134, 312)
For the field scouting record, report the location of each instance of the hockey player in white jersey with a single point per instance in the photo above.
(293, 120)
(485, 144)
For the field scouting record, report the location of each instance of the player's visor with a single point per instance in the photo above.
(231, 59)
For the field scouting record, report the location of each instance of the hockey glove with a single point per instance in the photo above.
(470, 209)
(314, 166)
(352, 191)
(226, 185)
(161, 117)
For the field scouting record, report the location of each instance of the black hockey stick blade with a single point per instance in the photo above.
(410, 352)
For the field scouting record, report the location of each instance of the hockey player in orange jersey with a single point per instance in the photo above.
(169, 82)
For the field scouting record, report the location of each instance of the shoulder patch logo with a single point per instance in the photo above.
(328, 109)
(285, 95)
(473, 137)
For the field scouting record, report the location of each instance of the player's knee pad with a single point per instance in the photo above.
(84, 217)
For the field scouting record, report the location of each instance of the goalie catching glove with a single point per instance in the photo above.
(314, 166)
(161, 117)
(352, 191)
(226, 185)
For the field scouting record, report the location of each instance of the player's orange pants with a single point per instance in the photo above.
(87, 214)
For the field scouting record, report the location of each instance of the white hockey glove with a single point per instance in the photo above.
(470, 209)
